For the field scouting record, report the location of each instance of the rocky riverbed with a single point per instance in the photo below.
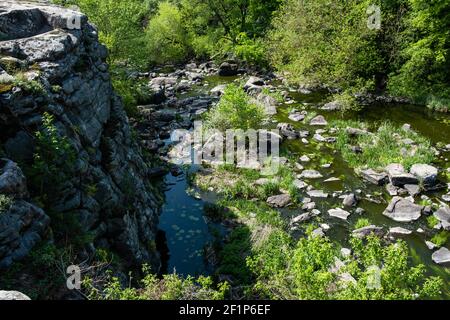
(400, 203)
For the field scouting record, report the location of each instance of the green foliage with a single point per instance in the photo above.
(425, 72)
(323, 42)
(120, 24)
(29, 86)
(235, 111)
(441, 238)
(171, 287)
(53, 161)
(432, 221)
(385, 146)
(347, 101)
(361, 223)
(166, 36)
(5, 203)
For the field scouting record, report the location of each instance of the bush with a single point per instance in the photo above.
(235, 111)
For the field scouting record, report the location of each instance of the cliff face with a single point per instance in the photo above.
(61, 66)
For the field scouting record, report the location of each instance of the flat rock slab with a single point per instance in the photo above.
(318, 121)
(13, 295)
(402, 210)
(364, 232)
(279, 201)
(378, 178)
(443, 215)
(339, 213)
(317, 194)
(426, 173)
(399, 231)
(311, 174)
(297, 117)
(442, 256)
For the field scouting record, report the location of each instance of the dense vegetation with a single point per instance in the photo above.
(314, 42)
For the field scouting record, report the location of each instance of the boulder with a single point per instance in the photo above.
(317, 194)
(254, 84)
(399, 231)
(218, 90)
(228, 69)
(443, 215)
(339, 213)
(311, 174)
(332, 106)
(350, 200)
(399, 177)
(441, 256)
(13, 295)
(287, 130)
(297, 116)
(378, 178)
(425, 173)
(364, 232)
(12, 180)
(279, 201)
(402, 210)
(318, 121)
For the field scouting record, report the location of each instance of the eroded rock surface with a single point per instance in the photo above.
(59, 50)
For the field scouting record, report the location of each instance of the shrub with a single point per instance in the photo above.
(235, 111)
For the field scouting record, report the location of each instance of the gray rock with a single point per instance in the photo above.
(311, 174)
(339, 213)
(268, 102)
(399, 177)
(399, 231)
(303, 217)
(228, 69)
(297, 116)
(402, 210)
(350, 200)
(413, 189)
(443, 215)
(13, 295)
(430, 245)
(332, 106)
(299, 184)
(12, 180)
(426, 173)
(287, 130)
(218, 90)
(378, 178)
(317, 194)
(442, 256)
(304, 158)
(318, 121)
(279, 201)
(364, 232)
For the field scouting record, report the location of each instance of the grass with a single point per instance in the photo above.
(432, 221)
(385, 145)
(361, 223)
(440, 238)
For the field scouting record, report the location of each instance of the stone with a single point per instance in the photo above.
(287, 130)
(425, 173)
(413, 189)
(311, 174)
(378, 178)
(303, 217)
(443, 215)
(332, 106)
(218, 90)
(350, 200)
(318, 121)
(430, 245)
(392, 190)
(354, 132)
(398, 176)
(254, 84)
(318, 232)
(228, 69)
(279, 201)
(364, 232)
(317, 194)
(339, 213)
(268, 102)
(441, 256)
(299, 184)
(13, 295)
(446, 197)
(297, 117)
(402, 210)
(346, 253)
(12, 179)
(399, 231)
(304, 159)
